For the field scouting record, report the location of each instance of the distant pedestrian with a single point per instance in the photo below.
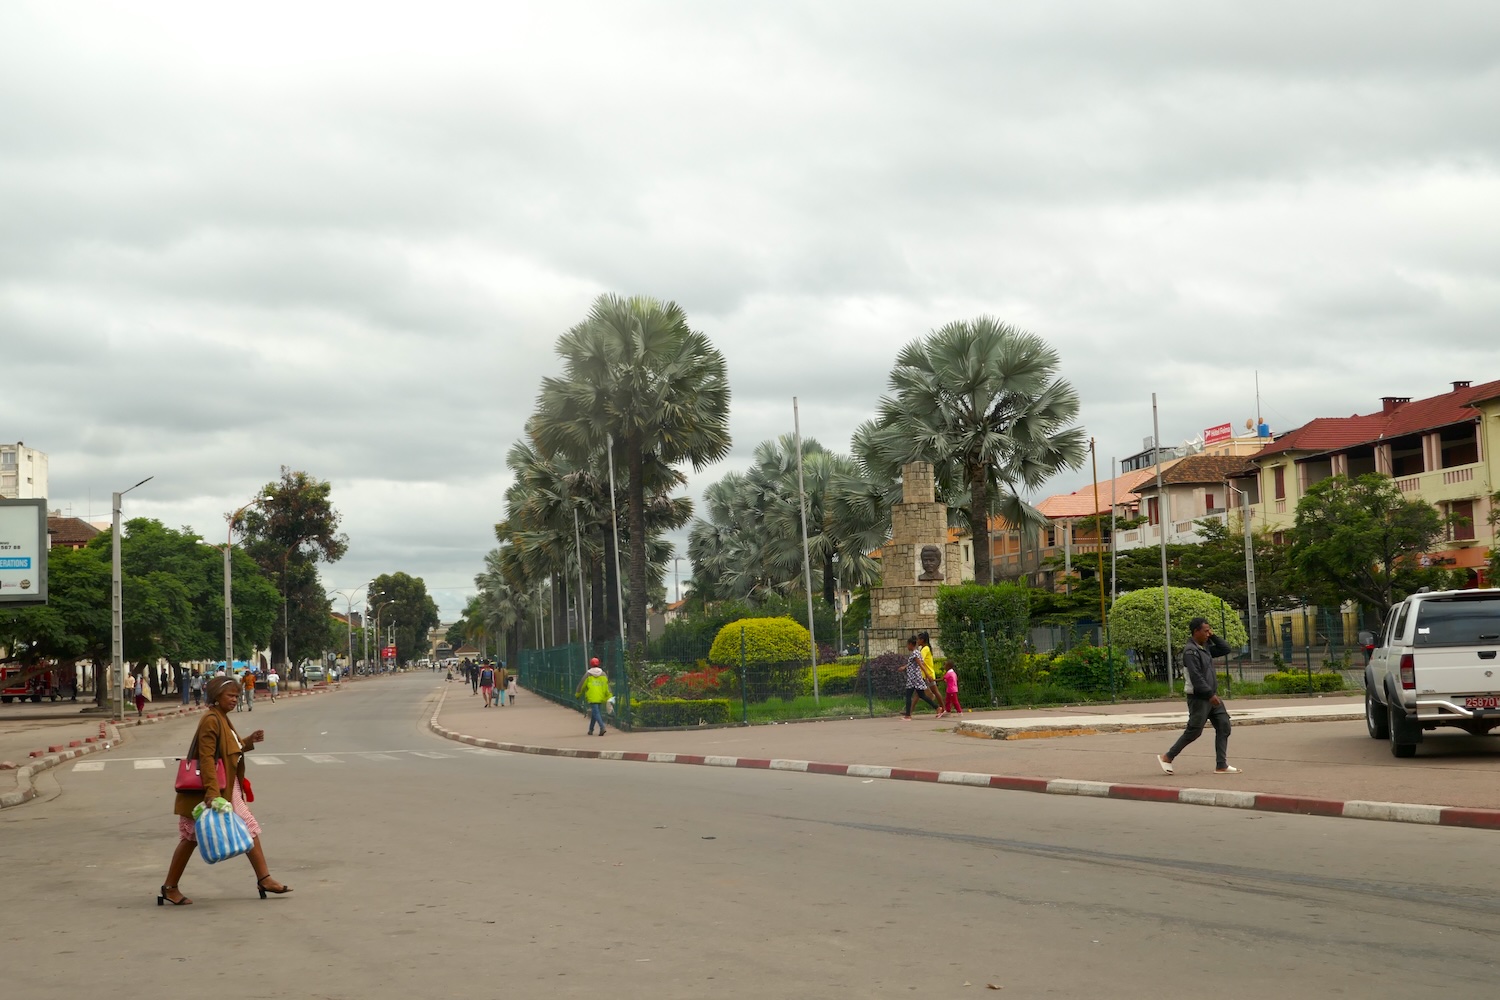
(950, 700)
(487, 684)
(140, 694)
(511, 687)
(929, 668)
(500, 680)
(195, 684)
(247, 689)
(916, 681)
(184, 676)
(594, 689)
(1201, 681)
(273, 681)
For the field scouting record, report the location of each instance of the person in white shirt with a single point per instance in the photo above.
(273, 679)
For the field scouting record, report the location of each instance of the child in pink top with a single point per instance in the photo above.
(950, 703)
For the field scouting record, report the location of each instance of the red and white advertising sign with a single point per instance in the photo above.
(1213, 435)
(389, 652)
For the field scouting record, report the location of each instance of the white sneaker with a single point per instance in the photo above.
(1231, 769)
(1166, 765)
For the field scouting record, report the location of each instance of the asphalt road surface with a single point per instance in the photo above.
(425, 869)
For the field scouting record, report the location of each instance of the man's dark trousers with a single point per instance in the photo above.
(1200, 711)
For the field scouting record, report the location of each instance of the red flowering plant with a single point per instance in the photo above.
(694, 684)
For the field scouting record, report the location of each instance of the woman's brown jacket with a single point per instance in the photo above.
(212, 741)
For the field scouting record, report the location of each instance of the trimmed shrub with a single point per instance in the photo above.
(777, 654)
(1136, 622)
(887, 673)
(662, 713)
(1087, 669)
(1004, 612)
(835, 678)
(1295, 683)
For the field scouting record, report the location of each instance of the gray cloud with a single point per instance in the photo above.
(345, 239)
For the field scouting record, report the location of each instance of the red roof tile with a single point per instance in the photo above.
(1198, 469)
(73, 532)
(1326, 434)
(1080, 503)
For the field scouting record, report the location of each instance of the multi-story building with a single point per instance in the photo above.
(23, 472)
(1436, 449)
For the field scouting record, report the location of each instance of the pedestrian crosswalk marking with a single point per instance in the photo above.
(89, 765)
(432, 754)
(376, 756)
(271, 760)
(265, 759)
(149, 763)
(322, 758)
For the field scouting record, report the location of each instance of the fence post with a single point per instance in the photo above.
(1307, 647)
(989, 671)
(744, 703)
(869, 674)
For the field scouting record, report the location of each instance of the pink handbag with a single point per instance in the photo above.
(190, 780)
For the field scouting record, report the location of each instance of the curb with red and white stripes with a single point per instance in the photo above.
(108, 738)
(1393, 812)
(25, 791)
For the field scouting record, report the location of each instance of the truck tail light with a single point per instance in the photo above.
(1408, 672)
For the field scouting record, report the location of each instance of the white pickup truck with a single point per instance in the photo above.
(1435, 665)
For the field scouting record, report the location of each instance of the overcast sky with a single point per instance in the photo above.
(345, 237)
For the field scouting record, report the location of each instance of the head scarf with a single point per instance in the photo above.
(216, 687)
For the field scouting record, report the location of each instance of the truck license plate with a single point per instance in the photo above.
(1487, 701)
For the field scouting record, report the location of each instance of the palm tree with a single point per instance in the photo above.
(636, 371)
(982, 401)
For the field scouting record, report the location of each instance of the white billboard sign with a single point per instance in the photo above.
(23, 552)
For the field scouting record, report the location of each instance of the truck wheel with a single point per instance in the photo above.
(1376, 720)
(1394, 723)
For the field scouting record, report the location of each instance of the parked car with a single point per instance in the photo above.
(314, 673)
(1437, 664)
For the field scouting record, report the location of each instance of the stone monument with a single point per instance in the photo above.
(917, 560)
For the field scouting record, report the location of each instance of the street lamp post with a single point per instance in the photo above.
(116, 617)
(348, 596)
(379, 608)
(838, 601)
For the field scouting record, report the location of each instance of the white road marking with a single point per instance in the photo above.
(432, 754)
(89, 765)
(377, 756)
(322, 758)
(265, 759)
(150, 763)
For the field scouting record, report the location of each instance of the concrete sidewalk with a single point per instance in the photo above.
(1327, 761)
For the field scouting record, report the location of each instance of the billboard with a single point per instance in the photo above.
(23, 552)
(1213, 435)
(389, 652)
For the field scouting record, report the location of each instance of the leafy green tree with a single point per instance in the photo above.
(983, 402)
(1217, 565)
(1362, 540)
(291, 530)
(1002, 613)
(635, 370)
(409, 616)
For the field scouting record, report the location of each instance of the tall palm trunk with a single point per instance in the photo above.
(611, 602)
(829, 597)
(635, 621)
(979, 522)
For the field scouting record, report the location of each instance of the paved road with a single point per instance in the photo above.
(422, 869)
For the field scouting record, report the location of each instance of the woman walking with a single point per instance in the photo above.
(140, 693)
(216, 742)
(916, 683)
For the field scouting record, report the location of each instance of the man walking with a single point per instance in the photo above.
(1201, 682)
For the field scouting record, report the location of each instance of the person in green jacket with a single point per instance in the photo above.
(594, 689)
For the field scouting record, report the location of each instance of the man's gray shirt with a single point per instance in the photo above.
(1201, 680)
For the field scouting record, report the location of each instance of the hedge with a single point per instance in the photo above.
(1004, 611)
(664, 713)
(1137, 622)
(1295, 683)
(1087, 669)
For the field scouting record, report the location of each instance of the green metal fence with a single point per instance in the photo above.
(557, 673)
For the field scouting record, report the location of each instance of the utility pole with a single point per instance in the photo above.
(117, 617)
(806, 557)
(1163, 512)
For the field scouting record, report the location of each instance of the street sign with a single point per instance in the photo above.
(1213, 435)
(389, 652)
(23, 552)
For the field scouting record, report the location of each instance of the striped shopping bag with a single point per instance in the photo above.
(221, 835)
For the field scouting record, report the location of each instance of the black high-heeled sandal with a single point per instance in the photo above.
(260, 885)
(162, 899)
